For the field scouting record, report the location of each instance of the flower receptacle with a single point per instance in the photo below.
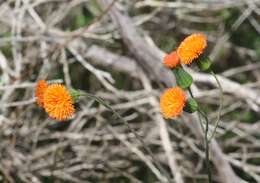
(75, 94)
(191, 105)
(204, 63)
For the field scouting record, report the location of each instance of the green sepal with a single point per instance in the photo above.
(204, 63)
(191, 105)
(183, 78)
(75, 94)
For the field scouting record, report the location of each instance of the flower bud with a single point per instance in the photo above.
(191, 105)
(204, 64)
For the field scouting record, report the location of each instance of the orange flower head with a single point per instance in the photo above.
(39, 91)
(58, 102)
(171, 60)
(172, 102)
(191, 47)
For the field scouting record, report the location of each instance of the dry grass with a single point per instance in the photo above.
(114, 49)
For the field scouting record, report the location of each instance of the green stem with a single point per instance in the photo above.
(101, 101)
(206, 145)
(201, 123)
(190, 92)
(205, 138)
(220, 106)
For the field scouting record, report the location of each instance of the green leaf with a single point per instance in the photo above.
(183, 79)
(191, 105)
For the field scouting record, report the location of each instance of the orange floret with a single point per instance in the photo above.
(191, 47)
(39, 91)
(172, 102)
(58, 102)
(171, 60)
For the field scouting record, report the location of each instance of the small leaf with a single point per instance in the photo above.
(183, 79)
(191, 105)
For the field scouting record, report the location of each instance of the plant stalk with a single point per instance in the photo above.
(205, 138)
(101, 101)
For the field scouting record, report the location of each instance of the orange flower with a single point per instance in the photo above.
(171, 60)
(39, 91)
(172, 102)
(192, 47)
(58, 102)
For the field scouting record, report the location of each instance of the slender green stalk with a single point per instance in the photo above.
(190, 92)
(201, 123)
(206, 145)
(101, 101)
(205, 138)
(220, 106)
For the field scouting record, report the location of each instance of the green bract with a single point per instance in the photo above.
(183, 79)
(191, 105)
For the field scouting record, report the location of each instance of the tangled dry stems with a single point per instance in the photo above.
(93, 146)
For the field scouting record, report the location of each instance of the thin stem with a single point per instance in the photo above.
(201, 124)
(205, 138)
(101, 101)
(220, 107)
(206, 145)
(190, 92)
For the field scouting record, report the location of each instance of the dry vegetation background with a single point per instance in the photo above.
(114, 49)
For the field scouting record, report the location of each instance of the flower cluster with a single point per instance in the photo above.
(189, 50)
(173, 101)
(55, 99)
